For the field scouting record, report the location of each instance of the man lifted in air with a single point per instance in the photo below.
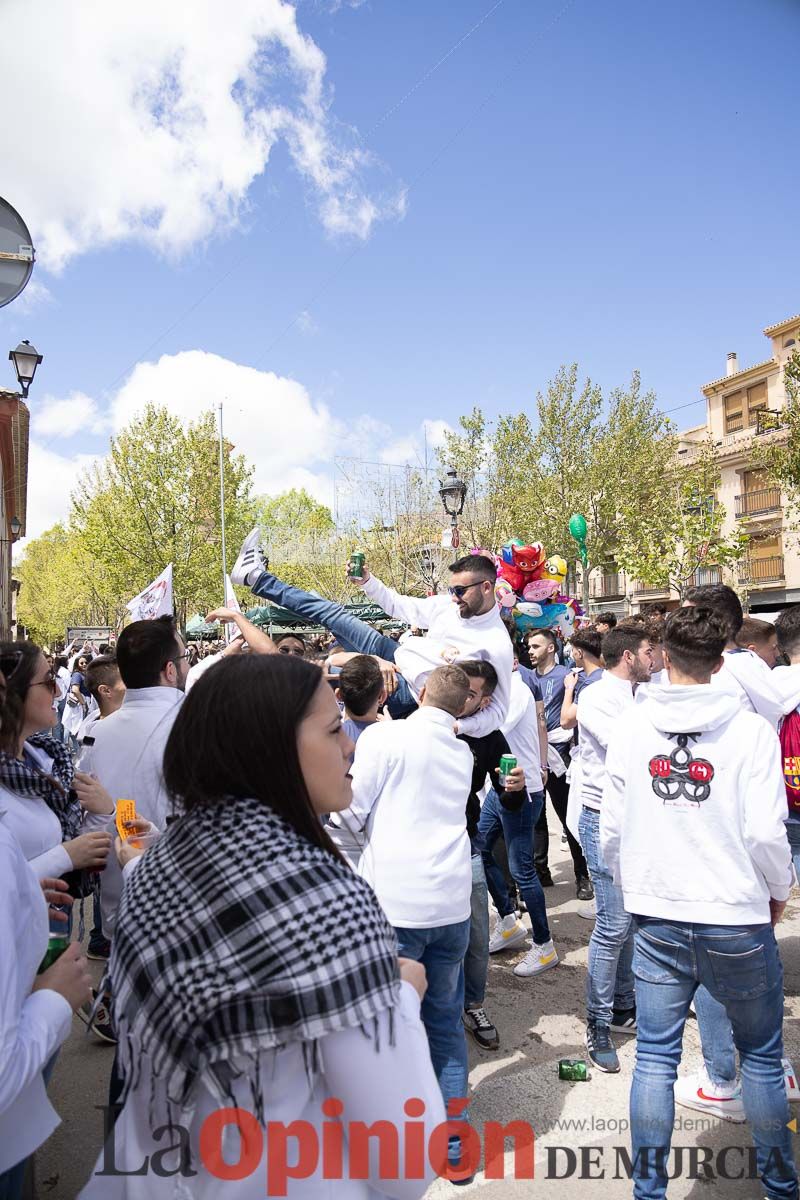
(465, 624)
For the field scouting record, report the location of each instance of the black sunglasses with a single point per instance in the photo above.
(461, 588)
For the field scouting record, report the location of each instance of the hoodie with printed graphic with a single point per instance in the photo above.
(692, 818)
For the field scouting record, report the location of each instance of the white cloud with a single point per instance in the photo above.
(76, 413)
(270, 419)
(51, 479)
(153, 126)
(291, 439)
(36, 296)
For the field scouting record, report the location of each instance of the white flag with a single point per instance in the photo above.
(155, 600)
(230, 596)
(232, 603)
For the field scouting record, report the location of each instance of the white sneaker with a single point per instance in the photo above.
(588, 911)
(507, 932)
(790, 1080)
(251, 561)
(538, 959)
(724, 1100)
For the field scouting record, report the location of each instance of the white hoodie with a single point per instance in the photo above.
(692, 819)
(748, 678)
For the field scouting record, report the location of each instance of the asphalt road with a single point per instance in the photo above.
(540, 1021)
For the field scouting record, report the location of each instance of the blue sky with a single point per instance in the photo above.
(614, 184)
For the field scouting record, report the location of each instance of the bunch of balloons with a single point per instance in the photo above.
(530, 585)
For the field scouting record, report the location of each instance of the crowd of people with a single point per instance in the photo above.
(330, 842)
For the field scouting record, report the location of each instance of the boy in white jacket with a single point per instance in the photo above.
(692, 829)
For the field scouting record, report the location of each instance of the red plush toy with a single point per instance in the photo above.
(529, 560)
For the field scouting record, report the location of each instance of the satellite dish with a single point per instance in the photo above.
(16, 253)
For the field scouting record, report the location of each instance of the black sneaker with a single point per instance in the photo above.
(545, 878)
(454, 1161)
(623, 1020)
(600, 1048)
(99, 951)
(481, 1028)
(101, 1025)
(584, 890)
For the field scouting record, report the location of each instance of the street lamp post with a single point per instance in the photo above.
(26, 359)
(453, 493)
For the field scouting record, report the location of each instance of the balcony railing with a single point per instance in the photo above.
(705, 575)
(761, 570)
(647, 589)
(751, 504)
(768, 419)
(734, 424)
(607, 587)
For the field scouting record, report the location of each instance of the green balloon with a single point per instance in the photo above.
(578, 527)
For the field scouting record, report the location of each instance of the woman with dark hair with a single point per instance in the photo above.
(35, 1006)
(38, 796)
(78, 699)
(252, 969)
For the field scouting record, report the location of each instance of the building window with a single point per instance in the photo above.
(756, 402)
(733, 412)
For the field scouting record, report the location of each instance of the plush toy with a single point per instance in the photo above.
(529, 559)
(505, 594)
(555, 568)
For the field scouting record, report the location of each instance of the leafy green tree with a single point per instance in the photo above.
(155, 500)
(677, 527)
(779, 452)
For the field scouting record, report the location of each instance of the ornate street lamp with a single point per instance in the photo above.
(16, 528)
(26, 359)
(453, 493)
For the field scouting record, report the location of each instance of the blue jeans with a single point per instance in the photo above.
(609, 984)
(517, 831)
(442, 951)
(476, 963)
(741, 968)
(716, 1035)
(351, 633)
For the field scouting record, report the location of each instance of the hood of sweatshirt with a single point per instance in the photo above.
(689, 709)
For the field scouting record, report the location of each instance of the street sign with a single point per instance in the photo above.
(89, 633)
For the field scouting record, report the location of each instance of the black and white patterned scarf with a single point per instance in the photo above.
(237, 935)
(55, 788)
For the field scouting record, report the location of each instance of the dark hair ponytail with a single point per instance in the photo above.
(236, 736)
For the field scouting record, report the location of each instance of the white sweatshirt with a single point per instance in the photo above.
(748, 678)
(450, 638)
(32, 1024)
(692, 819)
(600, 709)
(128, 760)
(411, 780)
(521, 729)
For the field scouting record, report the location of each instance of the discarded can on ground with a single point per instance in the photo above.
(574, 1070)
(356, 566)
(507, 764)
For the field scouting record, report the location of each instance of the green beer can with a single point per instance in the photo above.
(56, 946)
(355, 567)
(574, 1070)
(507, 764)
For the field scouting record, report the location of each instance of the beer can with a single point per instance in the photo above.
(574, 1070)
(356, 567)
(507, 764)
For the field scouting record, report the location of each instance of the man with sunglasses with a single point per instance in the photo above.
(464, 624)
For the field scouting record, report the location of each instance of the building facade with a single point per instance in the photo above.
(743, 410)
(14, 434)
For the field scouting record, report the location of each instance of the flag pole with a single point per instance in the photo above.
(222, 505)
